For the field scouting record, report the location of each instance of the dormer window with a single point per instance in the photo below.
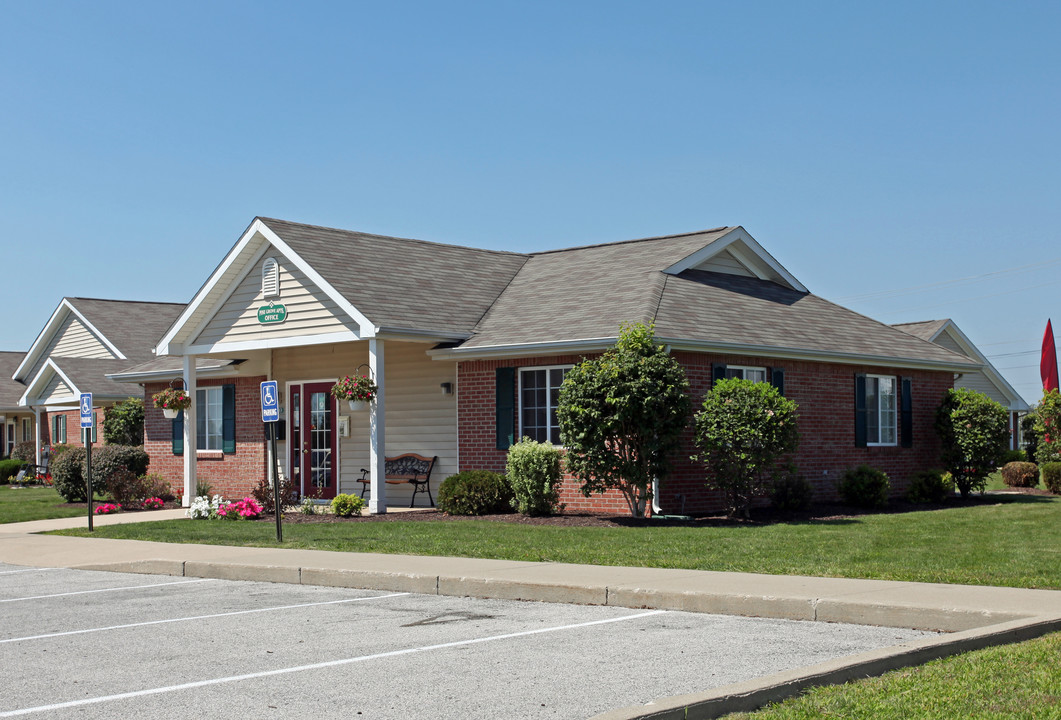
(270, 278)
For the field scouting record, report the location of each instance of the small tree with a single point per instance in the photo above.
(123, 423)
(1048, 428)
(974, 430)
(1029, 434)
(742, 432)
(621, 416)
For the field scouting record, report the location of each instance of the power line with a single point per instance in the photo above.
(976, 297)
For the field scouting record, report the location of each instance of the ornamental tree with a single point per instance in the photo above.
(974, 430)
(123, 423)
(742, 432)
(1047, 429)
(621, 416)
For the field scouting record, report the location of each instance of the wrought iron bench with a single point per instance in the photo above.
(408, 468)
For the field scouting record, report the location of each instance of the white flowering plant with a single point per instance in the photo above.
(204, 507)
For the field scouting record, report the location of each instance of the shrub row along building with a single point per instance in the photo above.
(468, 348)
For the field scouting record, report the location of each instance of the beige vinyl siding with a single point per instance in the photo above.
(945, 340)
(974, 380)
(56, 389)
(71, 339)
(419, 418)
(309, 310)
(724, 262)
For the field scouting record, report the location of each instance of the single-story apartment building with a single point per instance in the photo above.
(469, 346)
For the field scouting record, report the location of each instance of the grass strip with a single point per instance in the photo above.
(33, 503)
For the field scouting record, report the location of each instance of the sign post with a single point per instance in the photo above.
(88, 417)
(270, 416)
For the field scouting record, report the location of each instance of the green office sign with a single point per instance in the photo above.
(272, 313)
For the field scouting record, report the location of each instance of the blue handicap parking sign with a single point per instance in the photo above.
(87, 416)
(270, 401)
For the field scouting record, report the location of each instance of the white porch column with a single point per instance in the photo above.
(39, 434)
(191, 484)
(377, 504)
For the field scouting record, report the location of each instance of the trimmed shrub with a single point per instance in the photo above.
(475, 492)
(24, 450)
(1020, 474)
(9, 469)
(263, 493)
(58, 449)
(158, 487)
(534, 473)
(68, 474)
(125, 488)
(792, 493)
(108, 459)
(345, 505)
(865, 486)
(929, 486)
(1052, 476)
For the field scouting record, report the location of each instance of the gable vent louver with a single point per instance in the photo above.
(270, 278)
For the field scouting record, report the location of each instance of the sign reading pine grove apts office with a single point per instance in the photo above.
(272, 313)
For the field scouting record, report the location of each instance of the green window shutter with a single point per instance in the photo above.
(228, 419)
(906, 413)
(776, 377)
(718, 372)
(178, 434)
(860, 411)
(505, 407)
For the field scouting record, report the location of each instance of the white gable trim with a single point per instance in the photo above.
(261, 233)
(65, 308)
(747, 251)
(271, 343)
(40, 380)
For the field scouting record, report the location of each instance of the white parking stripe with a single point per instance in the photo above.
(103, 590)
(12, 572)
(316, 666)
(199, 617)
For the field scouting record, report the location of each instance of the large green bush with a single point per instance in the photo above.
(534, 474)
(109, 458)
(68, 474)
(9, 469)
(621, 417)
(475, 492)
(974, 430)
(1051, 473)
(25, 450)
(1020, 474)
(865, 486)
(1048, 428)
(742, 433)
(123, 422)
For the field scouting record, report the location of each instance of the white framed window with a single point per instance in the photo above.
(881, 410)
(744, 372)
(209, 431)
(59, 429)
(270, 278)
(26, 434)
(539, 391)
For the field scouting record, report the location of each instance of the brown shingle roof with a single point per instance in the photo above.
(133, 327)
(10, 390)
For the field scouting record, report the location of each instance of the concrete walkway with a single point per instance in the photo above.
(970, 617)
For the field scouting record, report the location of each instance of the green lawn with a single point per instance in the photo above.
(1015, 542)
(1009, 681)
(33, 503)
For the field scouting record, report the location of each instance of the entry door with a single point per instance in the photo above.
(313, 431)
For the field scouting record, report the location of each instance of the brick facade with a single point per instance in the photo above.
(825, 395)
(233, 476)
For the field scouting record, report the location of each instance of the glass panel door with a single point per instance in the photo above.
(318, 441)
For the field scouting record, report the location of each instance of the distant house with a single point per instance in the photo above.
(469, 347)
(985, 379)
(83, 341)
(16, 424)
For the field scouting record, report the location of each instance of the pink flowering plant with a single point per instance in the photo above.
(154, 503)
(355, 387)
(108, 508)
(245, 509)
(172, 399)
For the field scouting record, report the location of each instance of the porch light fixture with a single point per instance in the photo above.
(447, 388)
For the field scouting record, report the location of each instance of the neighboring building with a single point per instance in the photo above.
(83, 341)
(986, 379)
(469, 347)
(16, 424)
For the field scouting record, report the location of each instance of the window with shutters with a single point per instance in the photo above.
(755, 374)
(881, 410)
(209, 434)
(58, 429)
(270, 278)
(539, 391)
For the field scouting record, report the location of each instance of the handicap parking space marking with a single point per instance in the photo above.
(326, 664)
(103, 590)
(275, 608)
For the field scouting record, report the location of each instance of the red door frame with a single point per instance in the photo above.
(301, 451)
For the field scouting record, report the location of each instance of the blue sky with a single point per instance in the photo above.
(873, 149)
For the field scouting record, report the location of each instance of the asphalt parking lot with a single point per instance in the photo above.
(97, 644)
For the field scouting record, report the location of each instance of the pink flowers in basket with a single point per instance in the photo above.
(245, 509)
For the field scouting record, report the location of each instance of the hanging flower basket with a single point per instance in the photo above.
(359, 390)
(172, 401)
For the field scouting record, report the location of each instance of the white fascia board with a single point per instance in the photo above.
(738, 235)
(566, 347)
(295, 341)
(818, 355)
(1016, 402)
(92, 328)
(34, 385)
(65, 308)
(225, 371)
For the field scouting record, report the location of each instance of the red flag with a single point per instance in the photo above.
(1048, 363)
